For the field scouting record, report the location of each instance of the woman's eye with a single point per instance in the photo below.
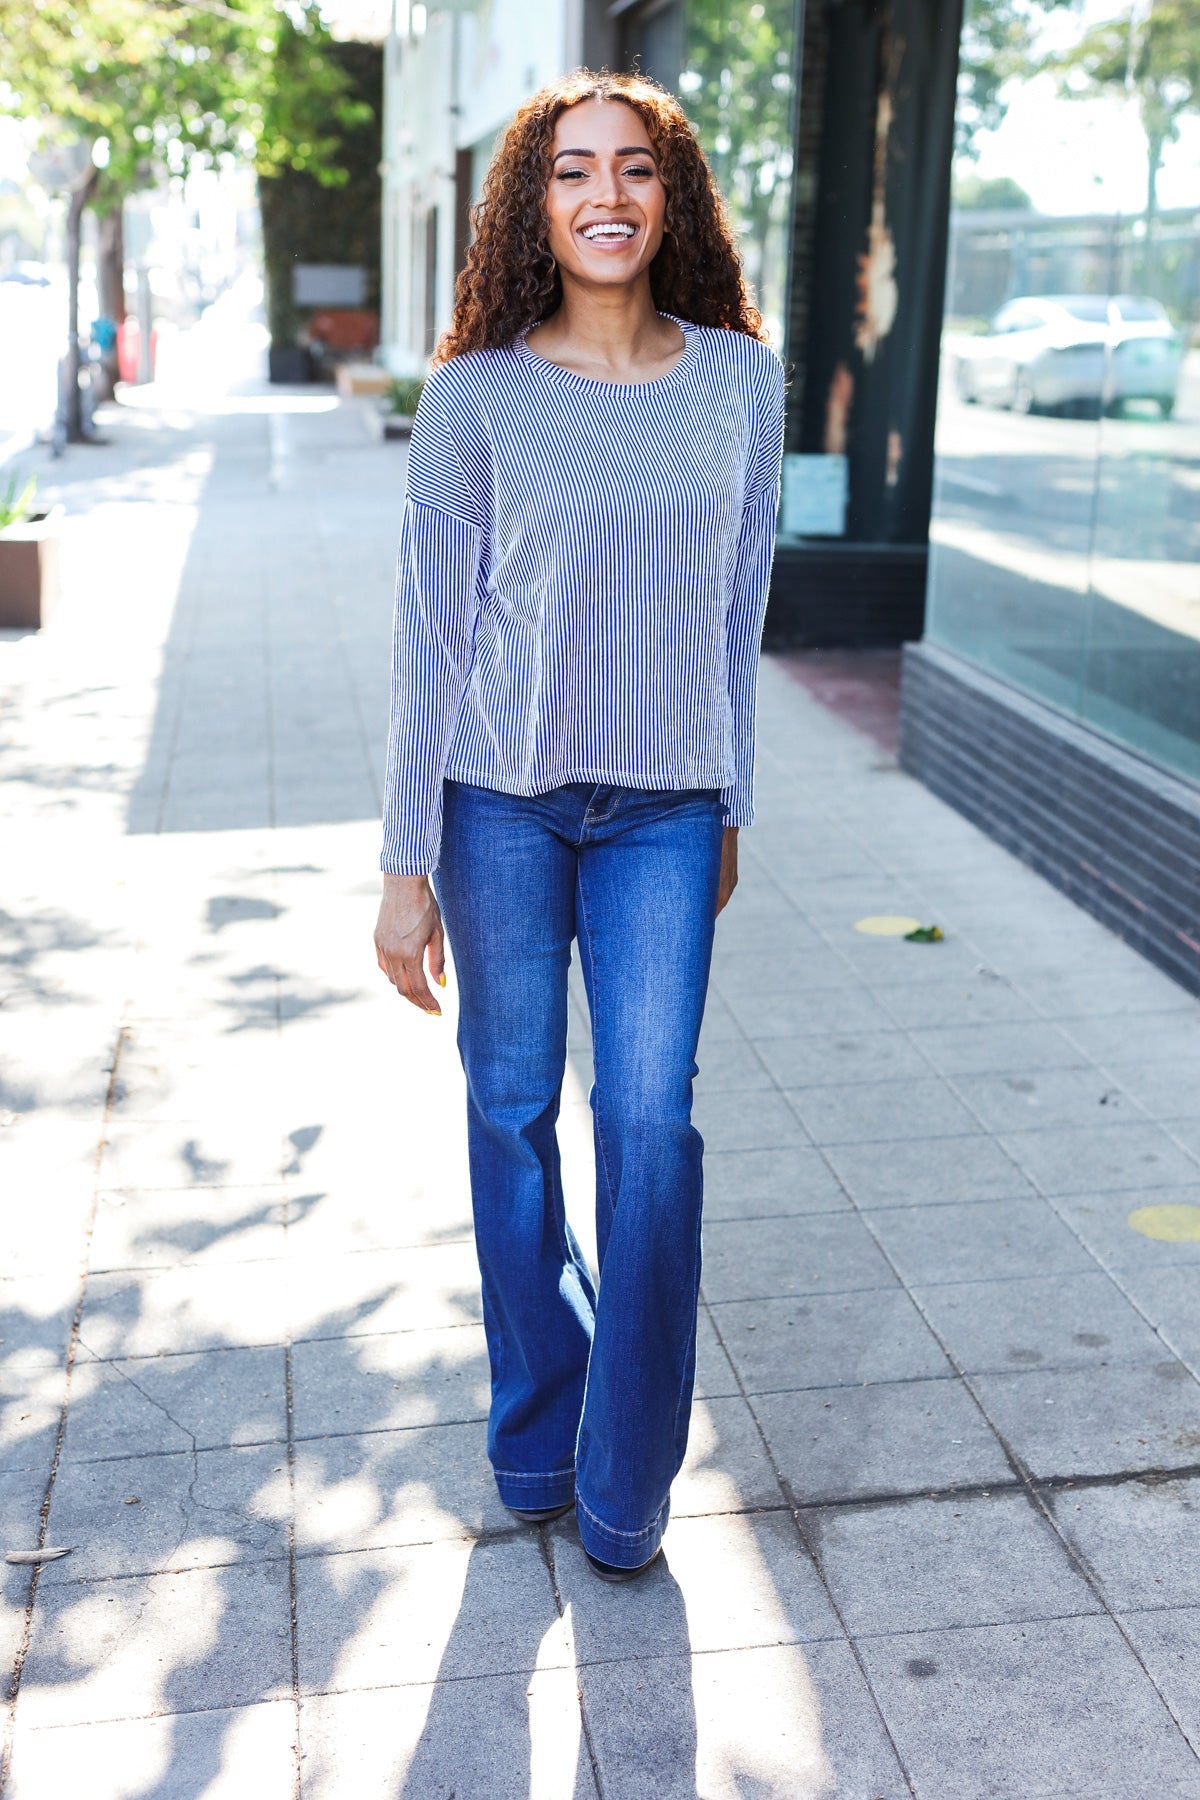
(569, 174)
(639, 169)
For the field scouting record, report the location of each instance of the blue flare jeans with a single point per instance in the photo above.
(591, 1384)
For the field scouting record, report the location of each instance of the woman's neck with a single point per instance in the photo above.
(614, 334)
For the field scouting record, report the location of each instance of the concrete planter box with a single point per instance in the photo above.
(29, 570)
(362, 378)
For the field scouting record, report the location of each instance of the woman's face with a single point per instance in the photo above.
(605, 199)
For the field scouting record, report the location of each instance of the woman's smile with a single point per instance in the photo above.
(608, 234)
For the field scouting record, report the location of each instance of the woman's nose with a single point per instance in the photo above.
(609, 189)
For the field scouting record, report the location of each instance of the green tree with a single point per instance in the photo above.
(737, 86)
(1155, 60)
(998, 43)
(972, 194)
(169, 84)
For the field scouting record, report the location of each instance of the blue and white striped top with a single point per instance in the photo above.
(582, 580)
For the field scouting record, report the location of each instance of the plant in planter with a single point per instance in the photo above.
(28, 556)
(16, 502)
(399, 405)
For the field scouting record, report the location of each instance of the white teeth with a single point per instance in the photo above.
(594, 231)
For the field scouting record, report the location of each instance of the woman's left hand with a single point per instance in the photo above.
(727, 880)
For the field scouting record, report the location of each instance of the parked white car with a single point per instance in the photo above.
(1073, 351)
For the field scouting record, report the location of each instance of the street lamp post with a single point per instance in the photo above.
(69, 168)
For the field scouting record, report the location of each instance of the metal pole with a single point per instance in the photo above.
(145, 319)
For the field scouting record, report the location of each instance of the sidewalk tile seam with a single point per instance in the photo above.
(1010, 1484)
(934, 1072)
(219, 1349)
(954, 1373)
(965, 1281)
(183, 1712)
(1169, 1004)
(1152, 1477)
(858, 1142)
(200, 1260)
(911, 1288)
(1009, 1487)
(578, 1663)
(94, 1358)
(365, 1431)
(1100, 1610)
(822, 1293)
(275, 1187)
(199, 1449)
(823, 1212)
(300, 1259)
(407, 1331)
(1002, 1138)
(114, 1577)
(600, 1662)
(806, 1143)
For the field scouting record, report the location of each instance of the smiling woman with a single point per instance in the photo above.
(512, 277)
(583, 573)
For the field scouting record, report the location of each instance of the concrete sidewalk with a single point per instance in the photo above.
(936, 1534)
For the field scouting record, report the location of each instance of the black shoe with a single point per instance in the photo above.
(610, 1572)
(542, 1515)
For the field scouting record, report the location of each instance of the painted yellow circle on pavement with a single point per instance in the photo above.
(887, 925)
(1171, 1224)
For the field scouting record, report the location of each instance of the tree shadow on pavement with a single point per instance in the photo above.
(192, 1517)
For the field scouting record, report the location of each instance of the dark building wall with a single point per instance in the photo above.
(876, 241)
(810, 119)
(874, 138)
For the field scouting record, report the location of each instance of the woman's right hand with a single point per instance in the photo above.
(409, 924)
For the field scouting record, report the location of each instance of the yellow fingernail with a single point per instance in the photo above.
(441, 980)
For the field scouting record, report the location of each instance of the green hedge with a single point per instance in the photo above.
(304, 222)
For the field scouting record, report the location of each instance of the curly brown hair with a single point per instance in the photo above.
(507, 287)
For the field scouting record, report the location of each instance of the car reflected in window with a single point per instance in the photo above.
(1074, 353)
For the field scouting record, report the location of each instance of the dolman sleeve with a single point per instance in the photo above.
(442, 533)
(751, 580)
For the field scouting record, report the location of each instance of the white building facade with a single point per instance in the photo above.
(454, 76)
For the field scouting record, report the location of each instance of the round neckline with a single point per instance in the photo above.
(615, 387)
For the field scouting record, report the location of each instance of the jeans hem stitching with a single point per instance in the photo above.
(611, 1530)
(549, 1475)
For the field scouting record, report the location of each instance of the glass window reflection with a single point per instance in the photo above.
(1065, 545)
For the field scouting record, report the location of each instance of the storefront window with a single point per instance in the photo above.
(737, 82)
(1065, 543)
